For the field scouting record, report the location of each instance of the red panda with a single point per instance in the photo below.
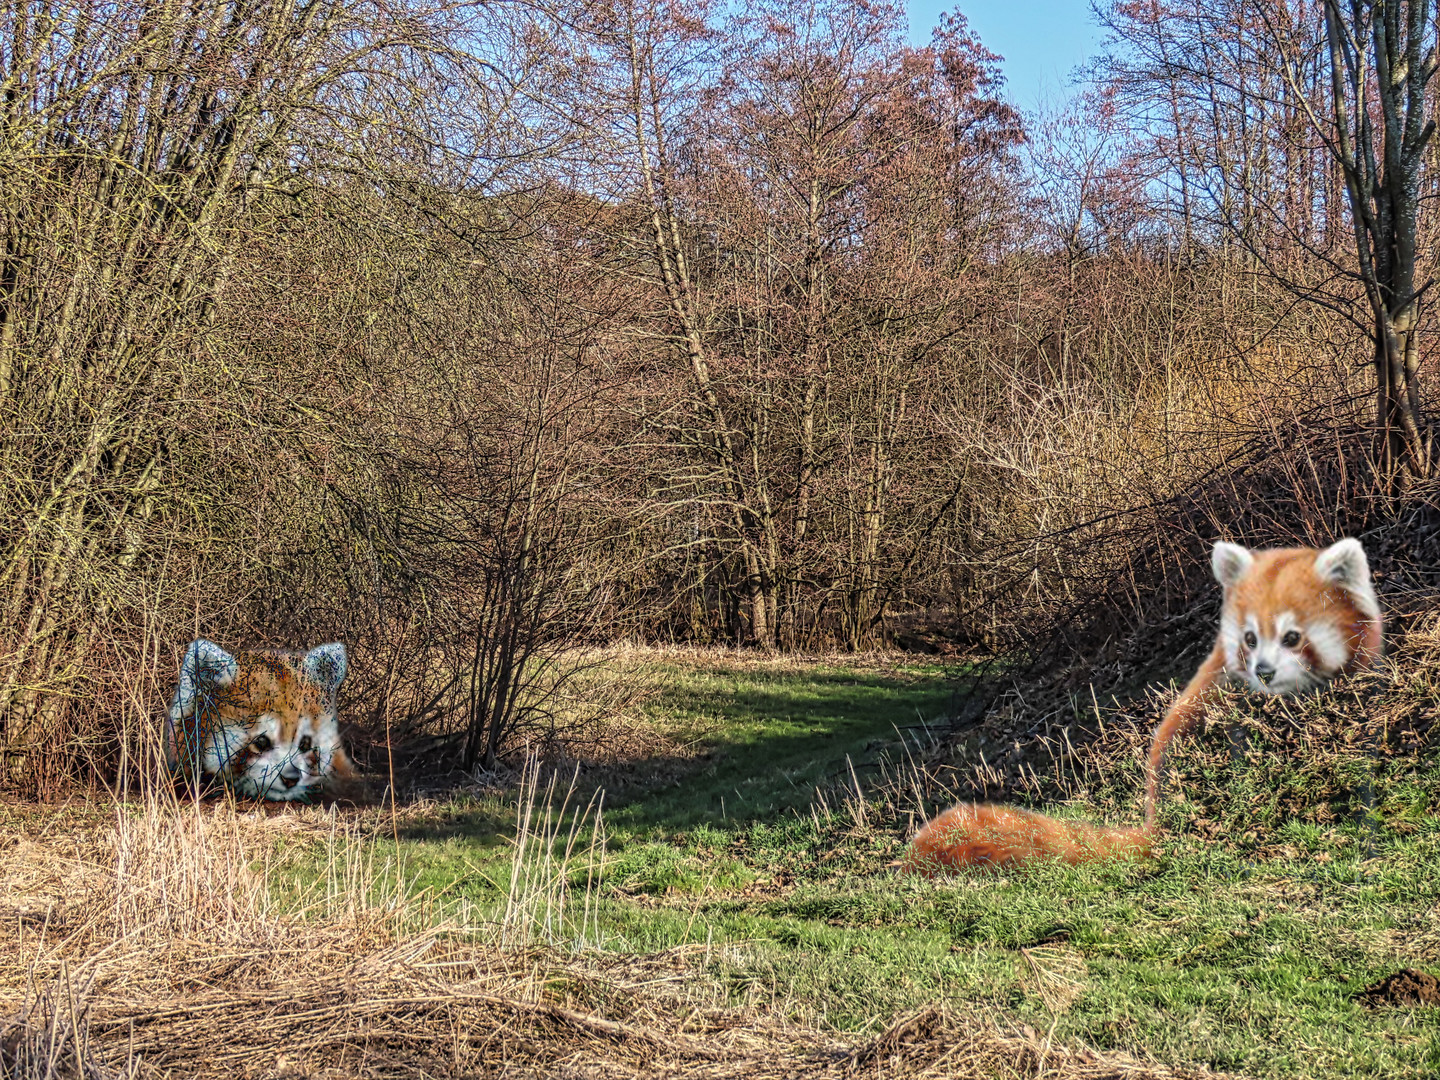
(261, 723)
(1291, 620)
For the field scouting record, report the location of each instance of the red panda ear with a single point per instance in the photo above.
(1343, 564)
(207, 664)
(204, 668)
(325, 665)
(1230, 563)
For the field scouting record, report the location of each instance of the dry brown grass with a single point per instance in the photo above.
(148, 942)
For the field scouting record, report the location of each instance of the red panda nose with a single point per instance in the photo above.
(290, 776)
(1264, 672)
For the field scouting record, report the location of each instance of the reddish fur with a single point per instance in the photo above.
(1284, 579)
(265, 682)
(269, 682)
(983, 834)
(986, 835)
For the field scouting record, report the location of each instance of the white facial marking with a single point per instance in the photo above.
(1271, 659)
(221, 744)
(290, 770)
(1330, 645)
(1230, 639)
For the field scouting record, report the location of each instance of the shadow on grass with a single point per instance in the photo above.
(759, 743)
(773, 738)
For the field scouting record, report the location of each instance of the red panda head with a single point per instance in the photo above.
(262, 723)
(1293, 618)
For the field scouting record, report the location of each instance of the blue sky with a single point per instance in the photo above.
(1041, 40)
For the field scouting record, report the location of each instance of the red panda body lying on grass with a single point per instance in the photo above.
(1292, 619)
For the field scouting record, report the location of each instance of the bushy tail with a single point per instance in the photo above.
(982, 834)
(1187, 711)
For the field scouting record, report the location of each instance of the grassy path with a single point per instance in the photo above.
(767, 734)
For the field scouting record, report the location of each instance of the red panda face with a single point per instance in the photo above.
(262, 723)
(1294, 618)
(289, 736)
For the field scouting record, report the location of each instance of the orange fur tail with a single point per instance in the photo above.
(1187, 711)
(982, 834)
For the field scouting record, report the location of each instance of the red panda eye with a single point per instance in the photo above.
(261, 743)
(1250, 639)
(1291, 639)
(305, 745)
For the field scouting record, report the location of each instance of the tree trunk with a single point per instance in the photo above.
(1405, 445)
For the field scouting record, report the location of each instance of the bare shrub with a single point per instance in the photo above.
(475, 336)
(162, 460)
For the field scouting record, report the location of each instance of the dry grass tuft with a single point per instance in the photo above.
(1055, 973)
(441, 1017)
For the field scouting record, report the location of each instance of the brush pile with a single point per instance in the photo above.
(150, 945)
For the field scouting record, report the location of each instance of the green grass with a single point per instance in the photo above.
(768, 735)
(1236, 953)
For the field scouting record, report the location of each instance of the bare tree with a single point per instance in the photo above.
(133, 136)
(1383, 54)
(1263, 114)
(814, 195)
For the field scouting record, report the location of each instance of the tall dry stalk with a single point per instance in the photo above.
(549, 851)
